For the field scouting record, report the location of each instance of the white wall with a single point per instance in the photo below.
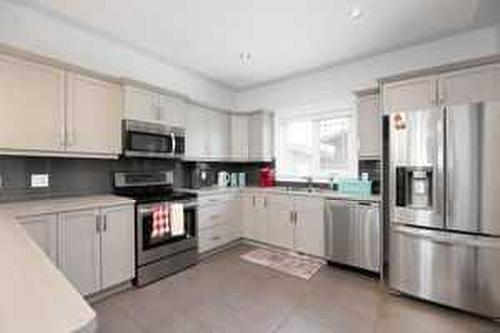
(333, 87)
(46, 35)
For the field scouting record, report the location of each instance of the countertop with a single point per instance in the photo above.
(35, 295)
(326, 194)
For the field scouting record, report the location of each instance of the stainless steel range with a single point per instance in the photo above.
(159, 254)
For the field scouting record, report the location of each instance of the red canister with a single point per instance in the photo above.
(266, 177)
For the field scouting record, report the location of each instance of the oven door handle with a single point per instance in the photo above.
(148, 210)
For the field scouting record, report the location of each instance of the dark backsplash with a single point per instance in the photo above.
(71, 177)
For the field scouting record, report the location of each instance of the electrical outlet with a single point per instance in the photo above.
(39, 180)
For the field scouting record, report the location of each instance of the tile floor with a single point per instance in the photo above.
(226, 294)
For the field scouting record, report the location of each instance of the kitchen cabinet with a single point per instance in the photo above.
(140, 104)
(172, 110)
(207, 134)
(218, 221)
(79, 254)
(145, 105)
(419, 93)
(470, 86)
(93, 116)
(261, 146)
(240, 126)
(309, 226)
(281, 221)
(96, 247)
(31, 106)
(255, 216)
(196, 133)
(369, 126)
(117, 245)
(42, 230)
(218, 134)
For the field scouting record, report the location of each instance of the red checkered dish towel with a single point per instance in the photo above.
(161, 220)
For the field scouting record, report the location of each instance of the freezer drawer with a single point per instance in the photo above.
(456, 270)
(353, 234)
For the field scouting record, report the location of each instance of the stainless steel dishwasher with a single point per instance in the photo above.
(353, 235)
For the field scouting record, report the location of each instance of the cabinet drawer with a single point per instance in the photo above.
(211, 200)
(211, 216)
(214, 237)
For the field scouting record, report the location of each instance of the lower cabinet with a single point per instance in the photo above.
(79, 249)
(94, 248)
(43, 231)
(218, 220)
(309, 226)
(280, 221)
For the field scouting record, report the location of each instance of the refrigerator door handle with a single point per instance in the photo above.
(439, 179)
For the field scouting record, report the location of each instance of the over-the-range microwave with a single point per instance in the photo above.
(154, 140)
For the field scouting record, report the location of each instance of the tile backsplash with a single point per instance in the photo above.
(70, 176)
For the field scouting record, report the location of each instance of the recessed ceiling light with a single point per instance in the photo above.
(245, 57)
(355, 13)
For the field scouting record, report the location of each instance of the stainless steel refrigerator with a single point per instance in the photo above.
(444, 205)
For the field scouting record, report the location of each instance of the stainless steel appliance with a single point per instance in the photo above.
(154, 140)
(353, 233)
(444, 208)
(200, 175)
(159, 256)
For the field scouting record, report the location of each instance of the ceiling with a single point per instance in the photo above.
(283, 37)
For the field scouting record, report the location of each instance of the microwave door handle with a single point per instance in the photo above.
(172, 135)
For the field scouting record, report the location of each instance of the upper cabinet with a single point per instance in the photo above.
(470, 85)
(47, 111)
(172, 110)
(240, 126)
(369, 126)
(420, 93)
(31, 106)
(140, 104)
(261, 146)
(207, 134)
(145, 105)
(94, 109)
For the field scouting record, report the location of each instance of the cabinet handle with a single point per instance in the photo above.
(265, 202)
(291, 217)
(215, 238)
(105, 218)
(98, 223)
(296, 217)
(253, 200)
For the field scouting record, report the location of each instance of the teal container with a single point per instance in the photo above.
(355, 186)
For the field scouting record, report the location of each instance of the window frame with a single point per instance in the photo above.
(316, 117)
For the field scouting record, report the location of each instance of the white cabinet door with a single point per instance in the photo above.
(309, 229)
(411, 94)
(43, 230)
(240, 125)
(218, 134)
(280, 224)
(79, 249)
(369, 126)
(172, 110)
(117, 245)
(94, 110)
(248, 201)
(470, 86)
(260, 218)
(197, 144)
(31, 106)
(260, 137)
(140, 104)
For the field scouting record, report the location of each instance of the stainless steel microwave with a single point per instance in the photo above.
(154, 140)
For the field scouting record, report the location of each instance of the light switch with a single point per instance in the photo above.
(39, 180)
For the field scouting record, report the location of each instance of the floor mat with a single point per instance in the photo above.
(287, 262)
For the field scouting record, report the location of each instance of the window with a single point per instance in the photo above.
(320, 146)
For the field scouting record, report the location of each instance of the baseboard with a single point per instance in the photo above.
(99, 296)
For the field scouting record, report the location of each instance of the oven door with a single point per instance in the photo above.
(151, 248)
(144, 144)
